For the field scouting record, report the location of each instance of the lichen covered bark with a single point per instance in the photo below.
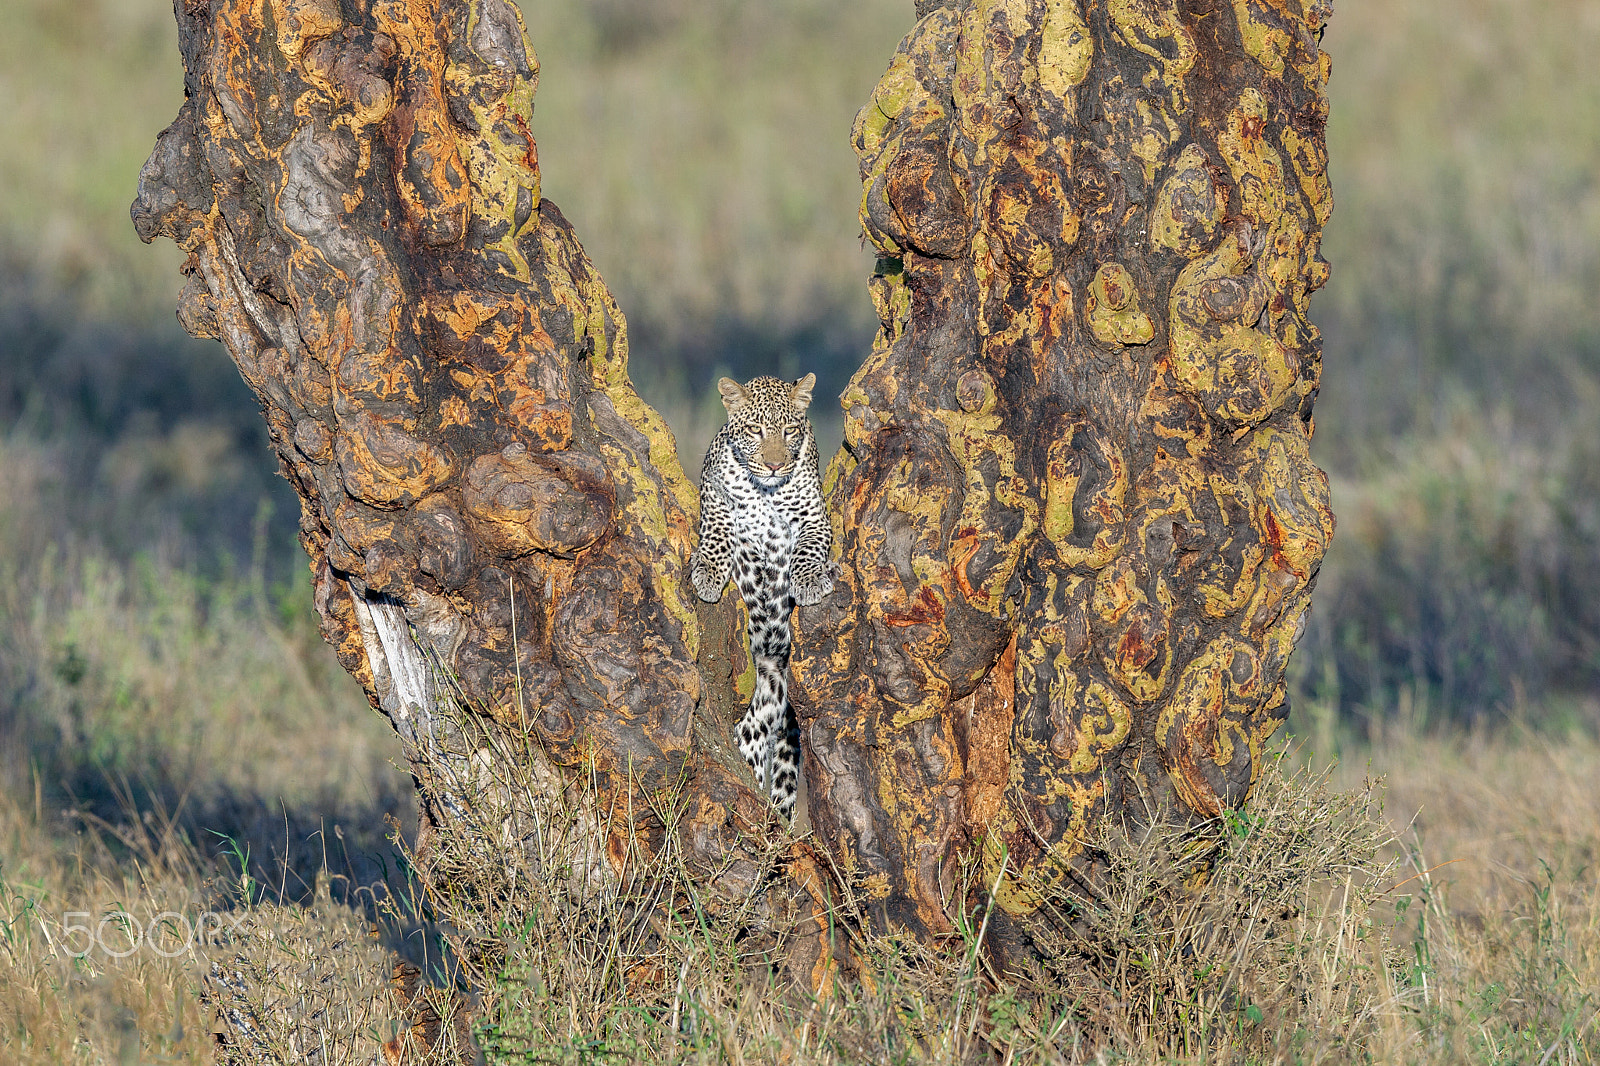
(1078, 518)
(445, 380)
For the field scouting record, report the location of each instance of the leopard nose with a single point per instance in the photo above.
(773, 453)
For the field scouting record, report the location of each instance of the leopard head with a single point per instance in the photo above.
(770, 429)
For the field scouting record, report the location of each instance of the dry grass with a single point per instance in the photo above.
(1307, 928)
(1500, 836)
(97, 1008)
(1236, 938)
(124, 945)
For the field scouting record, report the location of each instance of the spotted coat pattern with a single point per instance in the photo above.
(762, 522)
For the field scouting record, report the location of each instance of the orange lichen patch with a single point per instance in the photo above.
(454, 411)
(503, 332)
(338, 624)
(301, 21)
(521, 503)
(1113, 307)
(1188, 211)
(380, 373)
(926, 609)
(383, 465)
(354, 82)
(1116, 591)
(1139, 652)
(361, 527)
(429, 177)
(463, 312)
(235, 115)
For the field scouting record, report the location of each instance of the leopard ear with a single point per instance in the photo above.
(733, 394)
(801, 394)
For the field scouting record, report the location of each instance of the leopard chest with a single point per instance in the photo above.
(764, 535)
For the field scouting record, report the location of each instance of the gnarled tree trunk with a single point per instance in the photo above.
(1078, 516)
(1078, 520)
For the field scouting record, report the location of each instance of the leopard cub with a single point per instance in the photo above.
(761, 519)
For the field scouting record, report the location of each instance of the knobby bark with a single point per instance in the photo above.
(1077, 518)
(1079, 521)
(491, 512)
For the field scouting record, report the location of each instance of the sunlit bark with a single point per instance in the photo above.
(1079, 520)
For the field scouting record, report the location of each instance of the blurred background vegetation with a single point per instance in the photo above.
(701, 149)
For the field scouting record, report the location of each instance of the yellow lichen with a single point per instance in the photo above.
(1309, 157)
(1256, 167)
(1066, 49)
(300, 21)
(975, 439)
(501, 155)
(1153, 28)
(1237, 371)
(1113, 307)
(1188, 212)
(1264, 41)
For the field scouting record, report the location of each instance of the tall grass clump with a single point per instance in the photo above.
(1259, 934)
(67, 997)
(128, 943)
(1497, 906)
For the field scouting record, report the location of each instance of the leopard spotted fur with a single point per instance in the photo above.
(761, 519)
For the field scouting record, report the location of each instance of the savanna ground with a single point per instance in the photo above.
(175, 741)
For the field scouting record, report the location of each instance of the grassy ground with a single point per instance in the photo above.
(1432, 901)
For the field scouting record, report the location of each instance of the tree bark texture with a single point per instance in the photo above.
(1077, 512)
(1077, 517)
(445, 380)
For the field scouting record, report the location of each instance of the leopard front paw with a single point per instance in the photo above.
(812, 585)
(707, 586)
